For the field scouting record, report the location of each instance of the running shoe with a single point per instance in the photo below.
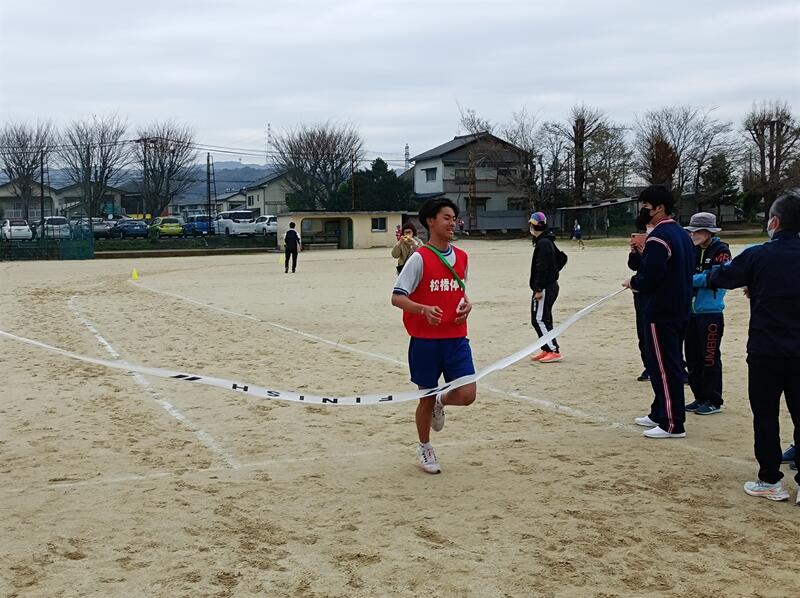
(551, 357)
(427, 459)
(539, 355)
(645, 421)
(437, 422)
(775, 491)
(708, 409)
(788, 456)
(693, 406)
(643, 377)
(658, 432)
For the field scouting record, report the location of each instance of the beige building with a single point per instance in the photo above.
(267, 195)
(13, 207)
(344, 230)
(70, 201)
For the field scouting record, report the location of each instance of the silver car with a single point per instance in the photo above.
(55, 227)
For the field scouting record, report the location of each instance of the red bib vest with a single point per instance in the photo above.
(438, 287)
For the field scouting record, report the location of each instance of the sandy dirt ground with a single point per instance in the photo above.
(120, 485)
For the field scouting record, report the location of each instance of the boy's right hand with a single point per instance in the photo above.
(433, 314)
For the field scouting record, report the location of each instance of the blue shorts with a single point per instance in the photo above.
(429, 358)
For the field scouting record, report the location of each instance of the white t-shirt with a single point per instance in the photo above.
(411, 274)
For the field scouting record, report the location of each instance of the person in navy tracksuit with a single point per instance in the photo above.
(707, 322)
(664, 282)
(769, 272)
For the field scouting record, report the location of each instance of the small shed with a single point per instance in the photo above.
(342, 230)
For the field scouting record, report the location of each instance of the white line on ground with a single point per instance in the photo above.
(237, 314)
(204, 437)
(343, 457)
(549, 405)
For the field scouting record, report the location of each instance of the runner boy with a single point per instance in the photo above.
(430, 291)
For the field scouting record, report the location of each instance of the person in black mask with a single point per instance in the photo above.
(664, 284)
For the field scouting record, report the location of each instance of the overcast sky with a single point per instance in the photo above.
(396, 70)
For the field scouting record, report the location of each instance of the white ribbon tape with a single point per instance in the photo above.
(283, 395)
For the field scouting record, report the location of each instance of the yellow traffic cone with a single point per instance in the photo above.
(135, 275)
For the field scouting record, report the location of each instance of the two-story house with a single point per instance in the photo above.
(485, 176)
(267, 195)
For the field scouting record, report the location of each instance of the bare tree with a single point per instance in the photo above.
(471, 123)
(23, 149)
(318, 159)
(694, 136)
(554, 156)
(165, 155)
(95, 156)
(607, 160)
(516, 169)
(774, 135)
(663, 161)
(583, 123)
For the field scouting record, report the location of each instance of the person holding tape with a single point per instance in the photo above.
(769, 273)
(546, 262)
(431, 292)
(706, 322)
(664, 284)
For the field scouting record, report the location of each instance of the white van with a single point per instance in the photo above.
(238, 222)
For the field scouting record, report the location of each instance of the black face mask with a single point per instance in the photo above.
(643, 219)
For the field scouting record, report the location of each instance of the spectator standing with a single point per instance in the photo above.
(544, 284)
(292, 245)
(406, 245)
(664, 283)
(769, 274)
(706, 322)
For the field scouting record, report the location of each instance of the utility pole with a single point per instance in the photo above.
(41, 192)
(208, 188)
(407, 157)
(472, 200)
(145, 175)
(354, 183)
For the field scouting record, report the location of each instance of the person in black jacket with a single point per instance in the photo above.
(769, 272)
(634, 263)
(291, 244)
(664, 284)
(544, 284)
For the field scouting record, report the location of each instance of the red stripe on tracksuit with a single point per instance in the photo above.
(662, 369)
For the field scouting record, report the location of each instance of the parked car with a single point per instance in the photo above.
(16, 228)
(99, 228)
(267, 225)
(167, 226)
(128, 229)
(239, 222)
(55, 227)
(198, 225)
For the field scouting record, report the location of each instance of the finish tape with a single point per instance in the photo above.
(283, 395)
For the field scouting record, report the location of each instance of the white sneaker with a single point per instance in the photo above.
(797, 499)
(661, 433)
(427, 459)
(645, 421)
(437, 423)
(776, 491)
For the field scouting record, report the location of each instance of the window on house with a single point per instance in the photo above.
(516, 204)
(249, 200)
(504, 174)
(461, 176)
(430, 174)
(379, 224)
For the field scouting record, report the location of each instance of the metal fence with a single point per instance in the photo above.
(81, 248)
